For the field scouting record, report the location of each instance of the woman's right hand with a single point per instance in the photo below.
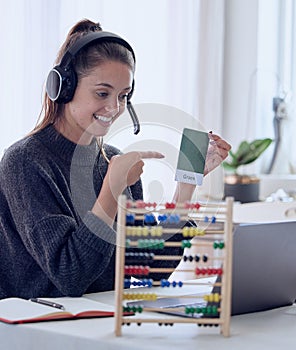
(123, 170)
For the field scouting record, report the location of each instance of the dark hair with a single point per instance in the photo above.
(86, 59)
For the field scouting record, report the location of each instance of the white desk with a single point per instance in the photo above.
(264, 330)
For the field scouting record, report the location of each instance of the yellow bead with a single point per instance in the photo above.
(185, 231)
(216, 297)
(159, 231)
(145, 231)
(152, 231)
(191, 231)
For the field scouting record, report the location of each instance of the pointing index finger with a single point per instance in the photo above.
(151, 154)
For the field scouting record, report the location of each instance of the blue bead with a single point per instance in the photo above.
(213, 219)
(180, 284)
(163, 283)
(130, 218)
(127, 283)
(206, 219)
(162, 218)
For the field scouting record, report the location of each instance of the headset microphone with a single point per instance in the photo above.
(62, 79)
(134, 117)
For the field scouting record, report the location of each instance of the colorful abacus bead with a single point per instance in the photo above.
(162, 218)
(130, 219)
(208, 271)
(185, 244)
(218, 245)
(189, 205)
(156, 231)
(214, 297)
(149, 219)
(140, 204)
(174, 219)
(145, 257)
(170, 205)
(136, 270)
(151, 205)
(205, 258)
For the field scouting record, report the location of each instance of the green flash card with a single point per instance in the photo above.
(192, 157)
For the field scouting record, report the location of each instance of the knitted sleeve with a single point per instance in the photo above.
(72, 253)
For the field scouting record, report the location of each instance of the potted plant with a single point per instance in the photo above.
(244, 188)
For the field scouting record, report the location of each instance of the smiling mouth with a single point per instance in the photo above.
(102, 118)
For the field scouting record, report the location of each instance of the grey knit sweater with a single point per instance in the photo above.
(50, 243)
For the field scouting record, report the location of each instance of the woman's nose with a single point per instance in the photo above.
(112, 108)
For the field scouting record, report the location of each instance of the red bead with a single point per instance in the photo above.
(140, 204)
(170, 205)
(210, 271)
(204, 271)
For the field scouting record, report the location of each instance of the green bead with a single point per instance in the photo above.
(209, 310)
(214, 310)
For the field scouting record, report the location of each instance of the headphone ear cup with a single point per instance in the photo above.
(61, 84)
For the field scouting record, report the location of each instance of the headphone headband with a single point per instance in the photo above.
(88, 39)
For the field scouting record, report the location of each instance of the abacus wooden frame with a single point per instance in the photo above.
(225, 210)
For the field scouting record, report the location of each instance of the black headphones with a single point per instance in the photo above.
(62, 79)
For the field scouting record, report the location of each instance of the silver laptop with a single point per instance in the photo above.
(264, 266)
(264, 269)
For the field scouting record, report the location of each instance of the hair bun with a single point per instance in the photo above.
(85, 26)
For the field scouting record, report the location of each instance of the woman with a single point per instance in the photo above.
(60, 184)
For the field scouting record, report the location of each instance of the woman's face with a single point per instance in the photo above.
(99, 99)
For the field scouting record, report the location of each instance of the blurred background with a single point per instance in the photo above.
(208, 64)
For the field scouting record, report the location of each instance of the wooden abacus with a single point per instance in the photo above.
(219, 313)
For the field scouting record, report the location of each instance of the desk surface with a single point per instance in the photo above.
(263, 330)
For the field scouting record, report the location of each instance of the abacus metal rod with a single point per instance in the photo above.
(187, 283)
(176, 257)
(176, 244)
(169, 309)
(173, 320)
(179, 296)
(172, 269)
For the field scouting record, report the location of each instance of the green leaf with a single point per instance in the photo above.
(246, 153)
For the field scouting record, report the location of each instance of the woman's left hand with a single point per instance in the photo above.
(217, 152)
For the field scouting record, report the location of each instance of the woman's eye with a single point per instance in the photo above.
(123, 97)
(102, 94)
